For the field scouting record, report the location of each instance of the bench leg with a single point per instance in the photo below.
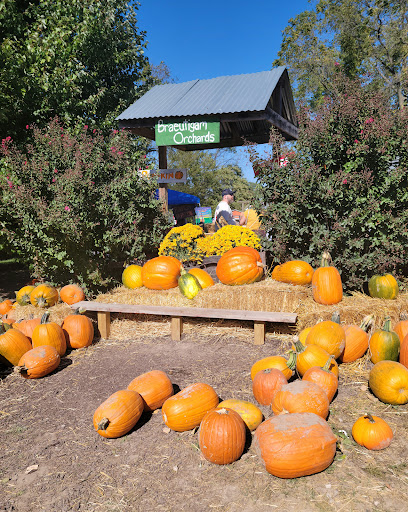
(176, 327)
(104, 324)
(259, 333)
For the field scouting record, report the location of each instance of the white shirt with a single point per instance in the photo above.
(222, 206)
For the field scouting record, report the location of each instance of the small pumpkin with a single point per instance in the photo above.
(13, 344)
(323, 377)
(132, 277)
(27, 326)
(203, 277)
(239, 266)
(23, 295)
(384, 344)
(161, 273)
(49, 333)
(372, 432)
(249, 412)
(117, 415)
(5, 306)
(222, 436)
(312, 355)
(44, 296)
(188, 284)
(301, 396)
(71, 294)
(296, 272)
(287, 444)
(327, 287)
(185, 410)
(356, 340)
(388, 380)
(38, 362)
(286, 366)
(78, 329)
(383, 287)
(266, 384)
(154, 387)
(329, 335)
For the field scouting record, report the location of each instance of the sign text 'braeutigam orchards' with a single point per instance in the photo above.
(181, 132)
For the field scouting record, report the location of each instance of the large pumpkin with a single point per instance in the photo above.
(38, 362)
(49, 333)
(249, 412)
(266, 384)
(356, 340)
(401, 327)
(301, 396)
(293, 272)
(161, 273)
(132, 277)
(403, 357)
(13, 344)
(237, 267)
(222, 436)
(295, 445)
(71, 294)
(383, 287)
(203, 277)
(23, 295)
(185, 410)
(117, 415)
(388, 381)
(44, 296)
(327, 287)
(27, 326)
(312, 355)
(384, 344)
(372, 432)
(329, 335)
(154, 387)
(78, 330)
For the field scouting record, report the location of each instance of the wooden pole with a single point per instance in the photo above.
(163, 187)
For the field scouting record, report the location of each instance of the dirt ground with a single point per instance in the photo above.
(51, 458)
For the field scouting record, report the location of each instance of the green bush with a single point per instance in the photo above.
(344, 188)
(74, 208)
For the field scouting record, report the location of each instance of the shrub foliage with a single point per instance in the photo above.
(344, 188)
(75, 208)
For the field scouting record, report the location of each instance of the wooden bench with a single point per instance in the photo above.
(104, 309)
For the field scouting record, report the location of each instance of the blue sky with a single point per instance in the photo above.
(209, 38)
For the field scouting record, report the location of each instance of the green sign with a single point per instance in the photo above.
(179, 132)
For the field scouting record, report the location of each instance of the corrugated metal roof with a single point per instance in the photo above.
(224, 94)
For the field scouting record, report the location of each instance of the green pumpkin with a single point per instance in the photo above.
(383, 287)
(384, 344)
(188, 284)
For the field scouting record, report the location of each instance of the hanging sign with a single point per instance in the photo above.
(179, 132)
(166, 175)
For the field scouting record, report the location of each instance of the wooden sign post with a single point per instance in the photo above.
(163, 187)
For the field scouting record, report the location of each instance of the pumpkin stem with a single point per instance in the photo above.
(327, 364)
(260, 264)
(299, 346)
(222, 411)
(367, 322)
(291, 364)
(387, 324)
(326, 259)
(336, 317)
(369, 417)
(45, 317)
(103, 424)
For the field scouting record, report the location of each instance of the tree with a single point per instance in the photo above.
(81, 60)
(367, 38)
(209, 174)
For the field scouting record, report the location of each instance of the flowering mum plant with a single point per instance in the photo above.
(227, 238)
(181, 242)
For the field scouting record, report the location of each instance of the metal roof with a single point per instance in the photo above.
(224, 94)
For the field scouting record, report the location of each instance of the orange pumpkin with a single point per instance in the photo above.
(237, 267)
(249, 412)
(287, 444)
(154, 387)
(49, 333)
(356, 340)
(293, 272)
(44, 296)
(38, 362)
(388, 380)
(71, 294)
(117, 415)
(403, 357)
(266, 384)
(327, 287)
(301, 396)
(78, 330)
(323, 377)
(286, 366)
(312, 355)
(13, 344)
(161, 273)
(401, 327)
(222, 436)
(329, 335)
(185, 410)
(23, 295)
(5, 306)
(372, 432)
(203, 277)
(27, 326)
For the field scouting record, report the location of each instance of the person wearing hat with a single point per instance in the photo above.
(223, 212)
